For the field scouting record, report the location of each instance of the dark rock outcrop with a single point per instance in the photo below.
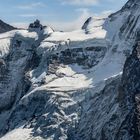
(36, 26)
(129, 93)
(4, 27)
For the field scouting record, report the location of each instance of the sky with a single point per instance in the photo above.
(59, 14)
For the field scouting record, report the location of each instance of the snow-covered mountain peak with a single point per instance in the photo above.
(66, 85)
(39, 28)
(93, 24)
(48, 30)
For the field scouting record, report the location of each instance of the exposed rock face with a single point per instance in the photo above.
(130, 88)
(123, 99)
(16, 63)
(87, 23)
(39, 28)
(36, 25)
(92, 24)
(5, 27)
(87, 57)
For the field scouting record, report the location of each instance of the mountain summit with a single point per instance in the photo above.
(4, 27)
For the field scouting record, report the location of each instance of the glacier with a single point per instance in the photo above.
(71, 85)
